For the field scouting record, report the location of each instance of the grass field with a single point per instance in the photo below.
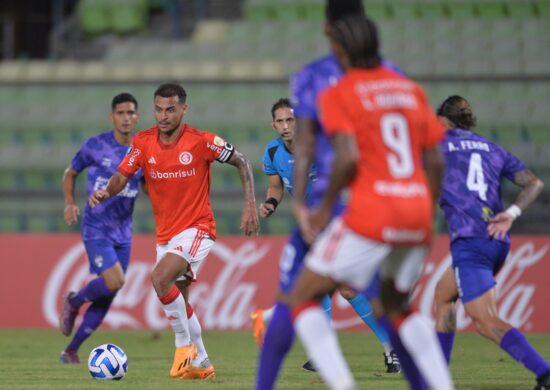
(28, 360)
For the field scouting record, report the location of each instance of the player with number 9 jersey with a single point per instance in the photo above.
(393, 123)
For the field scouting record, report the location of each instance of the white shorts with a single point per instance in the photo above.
(191, 244)
(352, 259)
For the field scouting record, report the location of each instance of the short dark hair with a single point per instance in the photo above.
(337, 9)
(459, 111)
(123, 97)
(281, 103)
(358, 36)
(171, 89)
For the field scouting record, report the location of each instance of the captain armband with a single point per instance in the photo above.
(226, 153)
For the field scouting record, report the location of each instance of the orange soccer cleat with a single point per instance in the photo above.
(205, 370)
(258, 326)
(183, 357)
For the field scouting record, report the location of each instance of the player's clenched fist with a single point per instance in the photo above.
(97, 197)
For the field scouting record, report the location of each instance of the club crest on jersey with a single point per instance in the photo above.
(218, 141)
(98, 261)
(186, 158)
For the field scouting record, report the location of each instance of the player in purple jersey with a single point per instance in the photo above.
(306, 85)
(479, 233)
(106, 229)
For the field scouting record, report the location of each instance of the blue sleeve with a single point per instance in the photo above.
(82, 158)
(268, 166)
(303, 96)
(512, 165)
(392, 66)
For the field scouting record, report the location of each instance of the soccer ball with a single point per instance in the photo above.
(108, 362)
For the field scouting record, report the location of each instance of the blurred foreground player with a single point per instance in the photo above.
(176, 161)
(106, 230)
(385, 139)
(278, 161)
(479, 232)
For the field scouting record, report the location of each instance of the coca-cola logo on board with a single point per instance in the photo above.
(224, 303)
(228, 291)
(514, 297)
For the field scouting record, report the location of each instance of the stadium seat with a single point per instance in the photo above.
(543, 7)
(378, 11)
(520, 9)
(464, 10)
(434, 11)
(491, 10)
(405, 11)
(94, 16)
(128, 16)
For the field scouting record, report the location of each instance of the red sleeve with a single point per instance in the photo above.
(217, 148)
(334, 117)
(433, 130)
(133, 159)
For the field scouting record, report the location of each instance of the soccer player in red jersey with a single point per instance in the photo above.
(385, 138)
(176, 162)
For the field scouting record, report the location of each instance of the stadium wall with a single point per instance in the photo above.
(239, 276)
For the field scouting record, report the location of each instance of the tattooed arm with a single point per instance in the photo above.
(531, 186)
(249, 219)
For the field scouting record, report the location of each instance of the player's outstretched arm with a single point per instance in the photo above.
(116, 184)
(71, 211)
(532, 186)
(249, 219)
(344, 168)
(275, 193)
(304, 150)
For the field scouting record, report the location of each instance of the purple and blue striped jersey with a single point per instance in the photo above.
(112, 219)
(471, 190)
(306, 86)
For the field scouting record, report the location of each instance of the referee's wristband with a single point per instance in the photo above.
(514, 211)
(272, 201)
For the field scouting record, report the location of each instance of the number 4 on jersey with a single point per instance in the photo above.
(476, 180)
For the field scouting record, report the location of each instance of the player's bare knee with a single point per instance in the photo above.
(160, 283)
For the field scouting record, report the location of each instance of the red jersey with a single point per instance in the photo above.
(177, 177)
(393, 123)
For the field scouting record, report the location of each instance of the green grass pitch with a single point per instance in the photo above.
(28, 360)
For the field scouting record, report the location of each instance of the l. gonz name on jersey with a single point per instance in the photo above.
(468, 145)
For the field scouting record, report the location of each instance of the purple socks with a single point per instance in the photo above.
(519, 348)
(92, 319)
(446, 340)
(277, 343)
(93, 291)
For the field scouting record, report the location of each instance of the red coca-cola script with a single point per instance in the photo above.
(240, 275)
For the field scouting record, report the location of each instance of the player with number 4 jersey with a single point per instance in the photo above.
(478, 228)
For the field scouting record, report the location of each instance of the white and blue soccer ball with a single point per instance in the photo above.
(108, 362)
